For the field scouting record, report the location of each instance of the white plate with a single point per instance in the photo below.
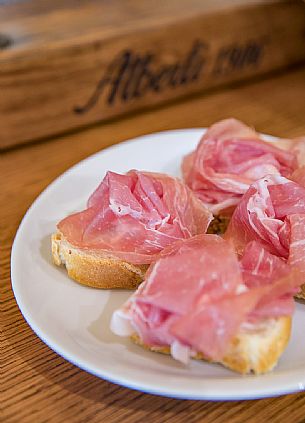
(74, 320)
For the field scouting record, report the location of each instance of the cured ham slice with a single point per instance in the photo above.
(176, 275)
(297, 241)
(197, 296)
(209, 328)
(259, 267)
(231, 156)
(272, 212)
(135, 216)
(263, 269)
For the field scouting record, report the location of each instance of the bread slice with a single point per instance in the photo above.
(301, 294)
(256, 349)
(95, 269)
(219, 224)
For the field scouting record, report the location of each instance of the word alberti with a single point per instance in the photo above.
(132, 75)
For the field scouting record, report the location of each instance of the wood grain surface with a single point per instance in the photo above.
(38, 385)
(64, 67)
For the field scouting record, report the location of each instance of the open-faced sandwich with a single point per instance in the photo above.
(222, 299)
(200, 301)
(128, 221)
(272, 212)
(229, 158)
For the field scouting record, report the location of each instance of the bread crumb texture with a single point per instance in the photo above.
(94, 269)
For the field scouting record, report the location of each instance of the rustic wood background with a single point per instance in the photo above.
(38, 385)
(56, 53)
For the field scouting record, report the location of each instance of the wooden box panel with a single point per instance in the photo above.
(64, 66)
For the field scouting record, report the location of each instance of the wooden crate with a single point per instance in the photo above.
(66, 64)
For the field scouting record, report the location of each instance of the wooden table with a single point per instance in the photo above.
(39, 386)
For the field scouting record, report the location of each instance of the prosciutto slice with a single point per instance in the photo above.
(230, 157)
(263, 269)
(272, 212)
(259, 267)
(135, 216)
(198, 295)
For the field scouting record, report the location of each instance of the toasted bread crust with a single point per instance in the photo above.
(95, 270)
(254, 350)
(301, 294)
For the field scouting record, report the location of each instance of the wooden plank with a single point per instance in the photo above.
(38, 385)
(66, 67)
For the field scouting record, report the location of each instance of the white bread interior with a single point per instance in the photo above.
(94, 269)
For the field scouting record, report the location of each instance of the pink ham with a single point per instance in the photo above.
(272, 212)
(259, 267)
(229, 157)
(182, 264)
(263, 269)
(297, 241)
(197, 295)
(135, 216)
(209, 328)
